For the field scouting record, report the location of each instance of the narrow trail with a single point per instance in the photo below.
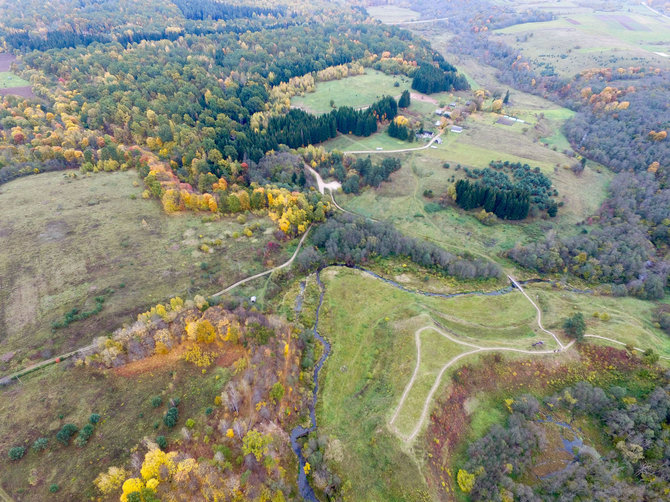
(420, 21)
(428, 401)
(539, 312)
(332, 186)
(611, 340)
(261, 274)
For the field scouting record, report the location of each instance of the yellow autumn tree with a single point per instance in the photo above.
(465, 480)
(158, 464)
(110, 481)
(201, 331)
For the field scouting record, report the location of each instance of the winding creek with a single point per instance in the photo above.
(305, 489)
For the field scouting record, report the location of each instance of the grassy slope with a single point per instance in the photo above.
(67, 241)
(33, 409)
(599, 40)
(371, 327)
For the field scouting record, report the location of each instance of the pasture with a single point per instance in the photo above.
(69, 242)
(580, 39)
(358, 91)
(391, 14)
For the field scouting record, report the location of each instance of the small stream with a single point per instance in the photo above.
(305, 489)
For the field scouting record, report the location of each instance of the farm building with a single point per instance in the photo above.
(457, 129)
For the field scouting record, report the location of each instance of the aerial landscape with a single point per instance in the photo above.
(335, 250)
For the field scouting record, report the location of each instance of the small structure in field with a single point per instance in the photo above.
(457, 129)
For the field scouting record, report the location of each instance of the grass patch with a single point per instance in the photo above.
(44, 402)
(392, 13)
(8, 80)
(357, 91)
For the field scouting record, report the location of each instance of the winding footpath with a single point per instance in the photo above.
(474, 350)
(332, 187)
(261, 274)
(539, 312)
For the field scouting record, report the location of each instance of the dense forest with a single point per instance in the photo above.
(622, 248)
(507, 204)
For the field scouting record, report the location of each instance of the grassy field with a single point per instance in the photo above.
(67, 241)
(392, 13)
(43, 402)
(357, 92)
(373, 359)
(9, 80)
(582, 38)
(402, 202)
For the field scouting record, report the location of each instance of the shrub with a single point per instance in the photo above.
(209, 410)
(575, 326)
(94, 418)
(65, 434)
(17, 453)
(161, 442)
(171, 417)
(277, 392)
(156, 401)
(40, 444)
(54, 488)
(190, 423)
(84, 435)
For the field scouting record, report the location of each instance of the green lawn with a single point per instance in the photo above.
(67, 241)
(9, 80)
(357, 92)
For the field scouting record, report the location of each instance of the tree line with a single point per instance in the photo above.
(209, 9)
(355, 240)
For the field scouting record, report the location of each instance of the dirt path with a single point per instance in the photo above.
(6, 380)
(428, 401)
(278, 267)
(322, 185)
(539, 313)
(611, 340)
(420, 21)
(15, 376)
(403, 150)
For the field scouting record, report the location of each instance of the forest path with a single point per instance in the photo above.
(261, 274)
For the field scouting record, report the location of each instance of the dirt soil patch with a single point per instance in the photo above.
(23, 92)
(6, 61)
